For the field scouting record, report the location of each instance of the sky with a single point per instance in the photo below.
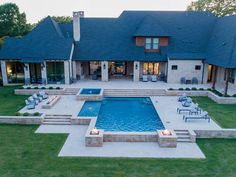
(38, 9)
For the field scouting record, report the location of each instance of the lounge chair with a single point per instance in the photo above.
(182, 97)
(154, 78)
(145, 78)
(182, 80)
(187, 103)
(36, 97)
(43, 95)
(29, 105)
(32, 100)
(194, 80)
(204, 115)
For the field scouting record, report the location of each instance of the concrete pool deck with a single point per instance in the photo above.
(75, 146)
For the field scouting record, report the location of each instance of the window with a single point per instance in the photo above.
(174, 67)
(15, 72)
(55, 72)
(152, 43)
(198, 67)
(155, 43)
(232, 75)
(148, 43)
(150, 68)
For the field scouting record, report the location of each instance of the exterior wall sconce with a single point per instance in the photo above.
(136, 66)
(26, 67)
(42, 66)
(104, 66)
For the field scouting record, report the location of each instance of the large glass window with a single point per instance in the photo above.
(232, 75)
(150, 68)
(55, 73)
(15, 72)
(0, 76)
(95, 68)
(152, 43)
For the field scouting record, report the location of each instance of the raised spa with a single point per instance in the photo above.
(90, 91)
(126, 114)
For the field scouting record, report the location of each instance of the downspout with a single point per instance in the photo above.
(203, 71)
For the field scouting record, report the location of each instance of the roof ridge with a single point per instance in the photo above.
(56, 26)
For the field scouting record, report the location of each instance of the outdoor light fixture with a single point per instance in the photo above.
(104, 66)
(26, 67)
(136, 66)
(42, 66)
(94, 131)
(166, 132)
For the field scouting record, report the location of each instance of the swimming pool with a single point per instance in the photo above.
(90, 91)
(126, 114)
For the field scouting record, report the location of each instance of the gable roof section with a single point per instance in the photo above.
(150, 26)
(113, 38)
(46, 41)
(222, 45)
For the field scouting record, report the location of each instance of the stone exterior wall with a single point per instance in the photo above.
(21, 120)
(223, 133)
(186, 68)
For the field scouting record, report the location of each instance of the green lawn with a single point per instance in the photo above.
(9, 102)
(225, 115)
(25, 154)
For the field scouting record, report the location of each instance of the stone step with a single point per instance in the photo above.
(56, 123)
(56, 120)
(184, 141)
(183, 137)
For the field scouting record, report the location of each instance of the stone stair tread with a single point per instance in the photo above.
(56, 123)
(184, 141)
(56, 120)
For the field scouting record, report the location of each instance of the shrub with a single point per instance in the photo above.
(234, 95)
(28, 88)
(58, 88)
(36, 88)
(50, 88)
(181, 89)
(201, 89)
(209, 89)
(36, 114)
(187, 89)
(226, 95)
(43, 88)
(171, 89)
(26, 114)
(17, 114)
(194, 88)
(21, 87)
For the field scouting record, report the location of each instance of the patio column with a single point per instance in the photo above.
(67, 72)
(104, 65)
(4, 72)
(27, 73)
(136, 71)
(74, 71)
(44, 73)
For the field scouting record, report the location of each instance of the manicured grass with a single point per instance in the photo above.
(225, 115)
(23, 153)
(9, 102)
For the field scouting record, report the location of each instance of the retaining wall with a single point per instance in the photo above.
(223, 133)
(21, 120)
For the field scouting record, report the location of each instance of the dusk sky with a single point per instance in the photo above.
(37, 9)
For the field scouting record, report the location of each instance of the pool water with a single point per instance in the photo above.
(90, 91)
(125, 114)
(90, 109)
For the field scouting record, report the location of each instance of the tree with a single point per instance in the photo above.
(12, 22)
(218, 7)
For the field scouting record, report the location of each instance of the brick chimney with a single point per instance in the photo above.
(76, 24)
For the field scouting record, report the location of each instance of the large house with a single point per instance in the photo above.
(174, 46)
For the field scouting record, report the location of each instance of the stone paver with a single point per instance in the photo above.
(75, 146)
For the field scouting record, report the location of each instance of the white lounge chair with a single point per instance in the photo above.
(145, 78)
(29, 105)
(43, 95)
(154, 78)
(183, 97)
(204, 115)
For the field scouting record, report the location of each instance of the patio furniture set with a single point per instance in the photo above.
(35, 99)
(193, 110)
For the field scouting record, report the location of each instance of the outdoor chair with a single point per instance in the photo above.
(183, 97)
(194, 80)
(43, 95)
(32, 100)
(29, 105)
(145, 78)
(187, 103)
(204, 115)
(36, 97)
(182, 80)
(154, 78)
